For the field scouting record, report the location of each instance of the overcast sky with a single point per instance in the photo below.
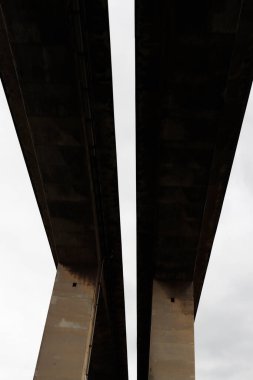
(27, 269)
(224, 323)
(121, 14)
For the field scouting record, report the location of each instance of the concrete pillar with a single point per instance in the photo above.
(172, 332)
(67, 338)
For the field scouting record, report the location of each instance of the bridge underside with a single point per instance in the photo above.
(55, 67)
(193, 77)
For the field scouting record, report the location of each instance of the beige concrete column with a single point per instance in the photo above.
(67, 338)
(172, 332)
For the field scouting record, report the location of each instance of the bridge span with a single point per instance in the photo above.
(55, 67)
(194, 64)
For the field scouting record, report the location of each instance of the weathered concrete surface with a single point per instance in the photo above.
(55, 67)
(172, 332)
(68, 335)
(194, 65)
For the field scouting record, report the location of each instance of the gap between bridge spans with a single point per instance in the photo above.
(121, 17)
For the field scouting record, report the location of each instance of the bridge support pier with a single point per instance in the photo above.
(172, 332)
(68, 333)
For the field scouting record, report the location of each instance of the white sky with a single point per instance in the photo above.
(27, 269)
(121, 14)
(224, 323)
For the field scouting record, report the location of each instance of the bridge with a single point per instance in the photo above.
(194, 66)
